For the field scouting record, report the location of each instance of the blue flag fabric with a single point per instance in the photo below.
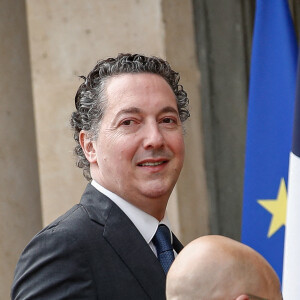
(269, 130)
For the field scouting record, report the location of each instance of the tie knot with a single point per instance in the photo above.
(162, 239)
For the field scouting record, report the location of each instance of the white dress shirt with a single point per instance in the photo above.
(145, 223)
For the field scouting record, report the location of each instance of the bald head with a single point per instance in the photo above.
(216, 267)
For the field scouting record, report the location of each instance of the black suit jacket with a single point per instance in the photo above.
(91, 252)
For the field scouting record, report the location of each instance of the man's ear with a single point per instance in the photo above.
(88, 146)
(242, 297)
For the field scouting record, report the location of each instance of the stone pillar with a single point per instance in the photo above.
(180, 49)
(19, 184)
(67, 37)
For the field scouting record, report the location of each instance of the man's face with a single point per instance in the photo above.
(140, 147)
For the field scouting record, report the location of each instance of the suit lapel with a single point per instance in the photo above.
(176, 244)
(126, 241)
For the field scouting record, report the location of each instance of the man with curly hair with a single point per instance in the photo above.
(117, 243)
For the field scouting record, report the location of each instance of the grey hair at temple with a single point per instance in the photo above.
(90, 99)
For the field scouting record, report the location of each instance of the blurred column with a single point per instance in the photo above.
(224, 35)
(20, 215)
(180, 47)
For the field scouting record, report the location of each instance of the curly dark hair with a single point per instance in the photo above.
(90, 99)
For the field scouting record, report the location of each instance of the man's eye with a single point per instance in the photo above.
(168, 120)
(127, 122)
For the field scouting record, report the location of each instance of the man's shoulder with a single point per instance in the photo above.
(69, 227)
(74, 215)
(79, 225)
(59, 248)
(92, 202)
(84, 220)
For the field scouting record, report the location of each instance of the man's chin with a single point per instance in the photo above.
(157, 191)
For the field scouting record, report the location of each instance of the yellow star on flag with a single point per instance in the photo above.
(277, 207)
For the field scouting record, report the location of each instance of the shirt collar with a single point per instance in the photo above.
(145, 223)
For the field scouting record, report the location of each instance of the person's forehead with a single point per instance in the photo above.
(124, 89)
(125, 81)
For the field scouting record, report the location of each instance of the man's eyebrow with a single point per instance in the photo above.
(135, 110)
(169, 109)
(129, 110)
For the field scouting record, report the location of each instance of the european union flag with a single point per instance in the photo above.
(269, 131)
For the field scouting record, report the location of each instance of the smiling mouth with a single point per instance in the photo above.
(152, 164)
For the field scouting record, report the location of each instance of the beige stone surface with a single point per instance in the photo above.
(19, 198)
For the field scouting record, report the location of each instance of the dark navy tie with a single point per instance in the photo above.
(162, 243)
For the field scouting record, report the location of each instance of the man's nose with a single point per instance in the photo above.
(153, 137)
